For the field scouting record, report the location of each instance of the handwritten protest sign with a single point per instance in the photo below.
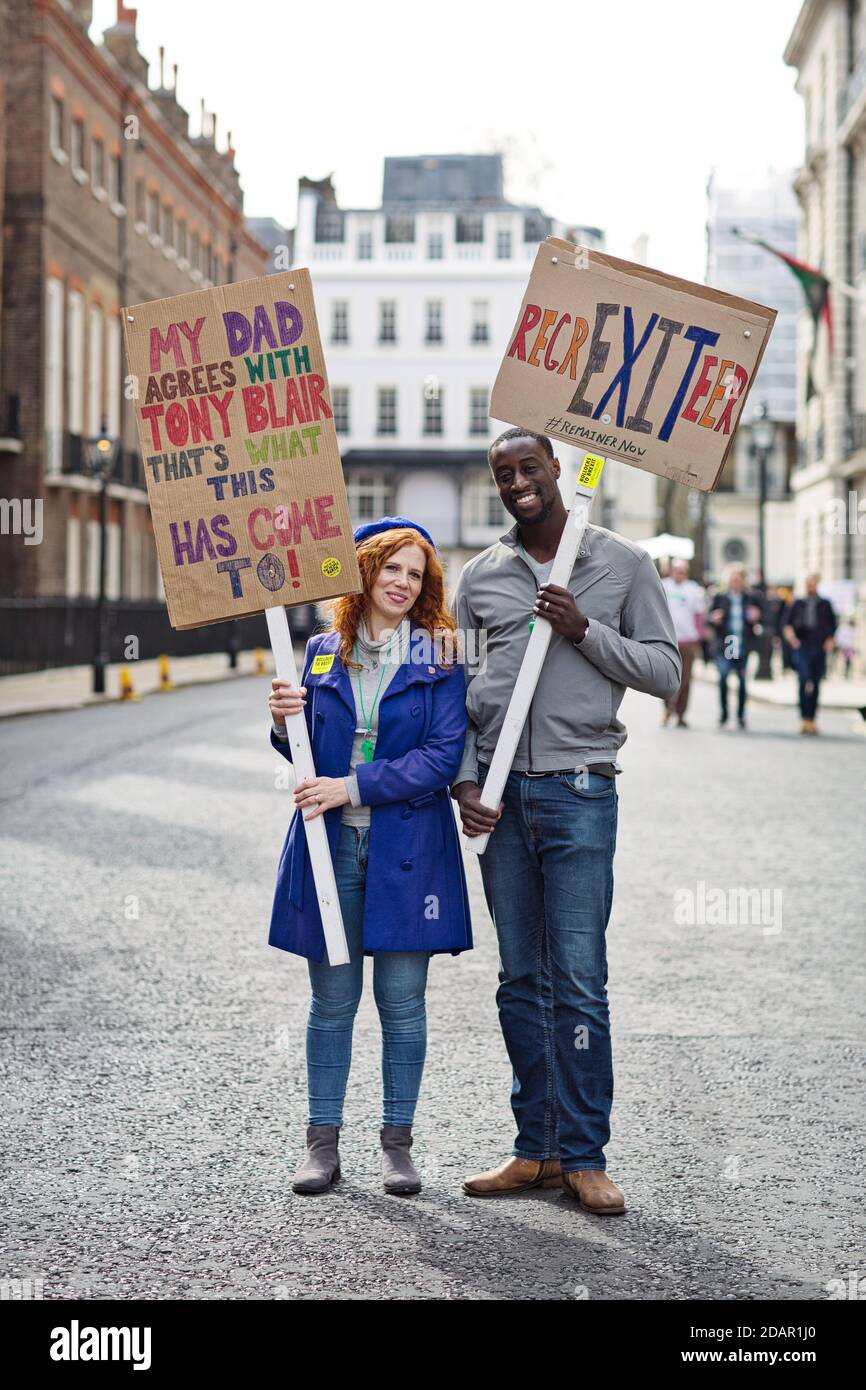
(239, 449)
(631, 363)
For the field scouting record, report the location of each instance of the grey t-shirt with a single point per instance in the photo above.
(380, 660)
(541, 569)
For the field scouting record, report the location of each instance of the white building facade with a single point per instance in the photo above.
(828, 49)
(416, 301)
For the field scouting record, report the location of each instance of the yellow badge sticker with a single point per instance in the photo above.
(590, 470)
(321, 664)
(331, 567)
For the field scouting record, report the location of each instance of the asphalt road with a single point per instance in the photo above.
(152, 1043)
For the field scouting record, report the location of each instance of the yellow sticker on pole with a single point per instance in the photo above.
(590, 470)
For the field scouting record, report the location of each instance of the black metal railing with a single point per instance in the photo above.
(38, 633)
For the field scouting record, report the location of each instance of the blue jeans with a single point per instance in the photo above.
(548, 880)
(725, 665)
(399, 984)
(810, 663)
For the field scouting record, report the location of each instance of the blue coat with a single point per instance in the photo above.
(416, 898)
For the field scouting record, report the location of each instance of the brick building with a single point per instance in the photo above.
(107, 200)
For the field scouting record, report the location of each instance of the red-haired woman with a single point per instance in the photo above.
(384, 697)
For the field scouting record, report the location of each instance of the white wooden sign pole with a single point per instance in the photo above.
(588, 473)
(302, 761)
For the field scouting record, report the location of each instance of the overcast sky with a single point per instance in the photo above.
(612, 113)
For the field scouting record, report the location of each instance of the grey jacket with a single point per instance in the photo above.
(630, 641)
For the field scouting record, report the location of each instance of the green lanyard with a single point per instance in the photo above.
(369, 742)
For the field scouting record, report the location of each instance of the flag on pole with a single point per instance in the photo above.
(816, 288)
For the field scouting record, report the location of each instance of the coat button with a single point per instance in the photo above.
(416, 709)
(406, 813)
(406, 864)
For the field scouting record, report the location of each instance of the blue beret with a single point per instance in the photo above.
(389, 523)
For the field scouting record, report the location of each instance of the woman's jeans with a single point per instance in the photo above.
(399, 983)
(548, 880)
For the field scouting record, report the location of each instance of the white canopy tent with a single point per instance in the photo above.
(674, 547)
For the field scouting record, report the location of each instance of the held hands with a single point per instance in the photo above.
(285, 699)
(557, 605)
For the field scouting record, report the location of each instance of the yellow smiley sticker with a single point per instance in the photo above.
(331, 567)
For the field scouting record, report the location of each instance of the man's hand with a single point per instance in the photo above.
(319, 794)
(557, 605)
(477, 819)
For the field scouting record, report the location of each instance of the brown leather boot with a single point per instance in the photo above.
(595, 1191)
(514, 1175)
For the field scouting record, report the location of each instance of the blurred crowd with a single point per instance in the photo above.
(732, 623)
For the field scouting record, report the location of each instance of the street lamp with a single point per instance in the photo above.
(101, 456)
(763, 439)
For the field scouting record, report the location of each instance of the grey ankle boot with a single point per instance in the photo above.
(321, 1167)
(399, 1173)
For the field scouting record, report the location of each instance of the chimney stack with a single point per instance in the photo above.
(121, 43)
(166, 99)
(83, 11)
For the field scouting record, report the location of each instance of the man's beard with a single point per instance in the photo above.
(546, 509)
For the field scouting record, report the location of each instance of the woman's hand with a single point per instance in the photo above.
(318, 794)
(285, 699)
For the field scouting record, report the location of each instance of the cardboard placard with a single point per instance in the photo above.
(239, 449)
(631, 363)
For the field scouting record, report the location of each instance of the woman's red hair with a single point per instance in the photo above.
(428, 611)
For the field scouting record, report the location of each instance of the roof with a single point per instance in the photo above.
(443, 178)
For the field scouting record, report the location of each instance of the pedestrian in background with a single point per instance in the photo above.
(733, 618)
(846, 644)
(711, 588)
(387, 720)
(786, 595)
(809, 627)
(687, 603)
(775, 607)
